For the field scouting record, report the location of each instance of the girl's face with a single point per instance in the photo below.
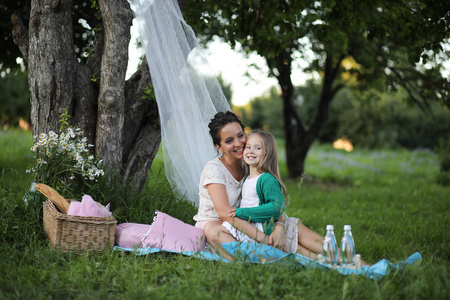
(232, 141)
(254, 152)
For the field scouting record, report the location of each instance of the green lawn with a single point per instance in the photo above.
(390, 197)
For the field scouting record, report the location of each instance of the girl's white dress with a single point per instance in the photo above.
(249, 199)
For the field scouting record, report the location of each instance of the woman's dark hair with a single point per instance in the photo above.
(219, 121)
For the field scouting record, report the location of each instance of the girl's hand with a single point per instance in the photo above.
(278, 237)
(233, 213)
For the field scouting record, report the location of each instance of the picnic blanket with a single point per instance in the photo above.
(264, 254)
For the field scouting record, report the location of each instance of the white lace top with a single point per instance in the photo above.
(216, 172)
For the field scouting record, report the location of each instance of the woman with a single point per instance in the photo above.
(220, 187)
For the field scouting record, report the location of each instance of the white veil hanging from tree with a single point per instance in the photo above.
(187, 92)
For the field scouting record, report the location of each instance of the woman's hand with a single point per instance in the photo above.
(233, 213)
(278, 237)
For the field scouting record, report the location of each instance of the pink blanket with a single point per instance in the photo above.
(88, 208)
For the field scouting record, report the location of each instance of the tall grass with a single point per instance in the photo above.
(15, 157)
(389, 197)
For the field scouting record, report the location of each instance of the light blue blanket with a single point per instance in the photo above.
(258, 253)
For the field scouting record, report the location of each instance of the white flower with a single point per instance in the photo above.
(52, 136)
(70, 132)
(42, 141)
(41, 161)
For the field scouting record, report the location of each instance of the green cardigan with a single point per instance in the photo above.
(271, 203)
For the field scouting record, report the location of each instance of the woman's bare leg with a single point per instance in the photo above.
(216, 235)
(306, 252)
(309, 240)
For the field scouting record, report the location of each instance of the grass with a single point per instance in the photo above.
(390, 198)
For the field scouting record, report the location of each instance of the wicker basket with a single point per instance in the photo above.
(78, 234)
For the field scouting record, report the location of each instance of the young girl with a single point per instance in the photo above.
(262, 200)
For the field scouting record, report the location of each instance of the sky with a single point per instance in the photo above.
(232, 65)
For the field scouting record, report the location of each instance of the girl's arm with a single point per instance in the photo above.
(277, 238)
(219, 198)
(272, 207)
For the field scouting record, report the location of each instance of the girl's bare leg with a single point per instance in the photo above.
(217, 235)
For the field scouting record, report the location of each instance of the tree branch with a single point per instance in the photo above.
(410, 89)
(283, 64)
(327, 95)
(88, 18)
(20, 34)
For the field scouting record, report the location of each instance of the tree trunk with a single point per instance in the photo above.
(123, 127)
(298, 137)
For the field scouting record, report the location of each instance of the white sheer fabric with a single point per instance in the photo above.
(187, 91)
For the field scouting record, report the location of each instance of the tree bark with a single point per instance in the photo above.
(51, 63)
(122, 125)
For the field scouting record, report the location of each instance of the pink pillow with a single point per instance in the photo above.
(132, 235)
(166, 233)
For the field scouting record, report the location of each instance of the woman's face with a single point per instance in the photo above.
(232, 141)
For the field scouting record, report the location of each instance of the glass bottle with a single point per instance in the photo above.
(347, 247)
(329, 249)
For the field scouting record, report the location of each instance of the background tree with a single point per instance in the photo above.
(76, 54)
(386, 39)
(263, 112)
(9, 50)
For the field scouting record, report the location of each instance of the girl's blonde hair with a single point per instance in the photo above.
(269, 161)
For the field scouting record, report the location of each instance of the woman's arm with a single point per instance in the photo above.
(219, 197)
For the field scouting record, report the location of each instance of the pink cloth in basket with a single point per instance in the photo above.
(88, 208)
(166, 232)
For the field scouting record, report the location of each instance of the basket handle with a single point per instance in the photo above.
(53, 195)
